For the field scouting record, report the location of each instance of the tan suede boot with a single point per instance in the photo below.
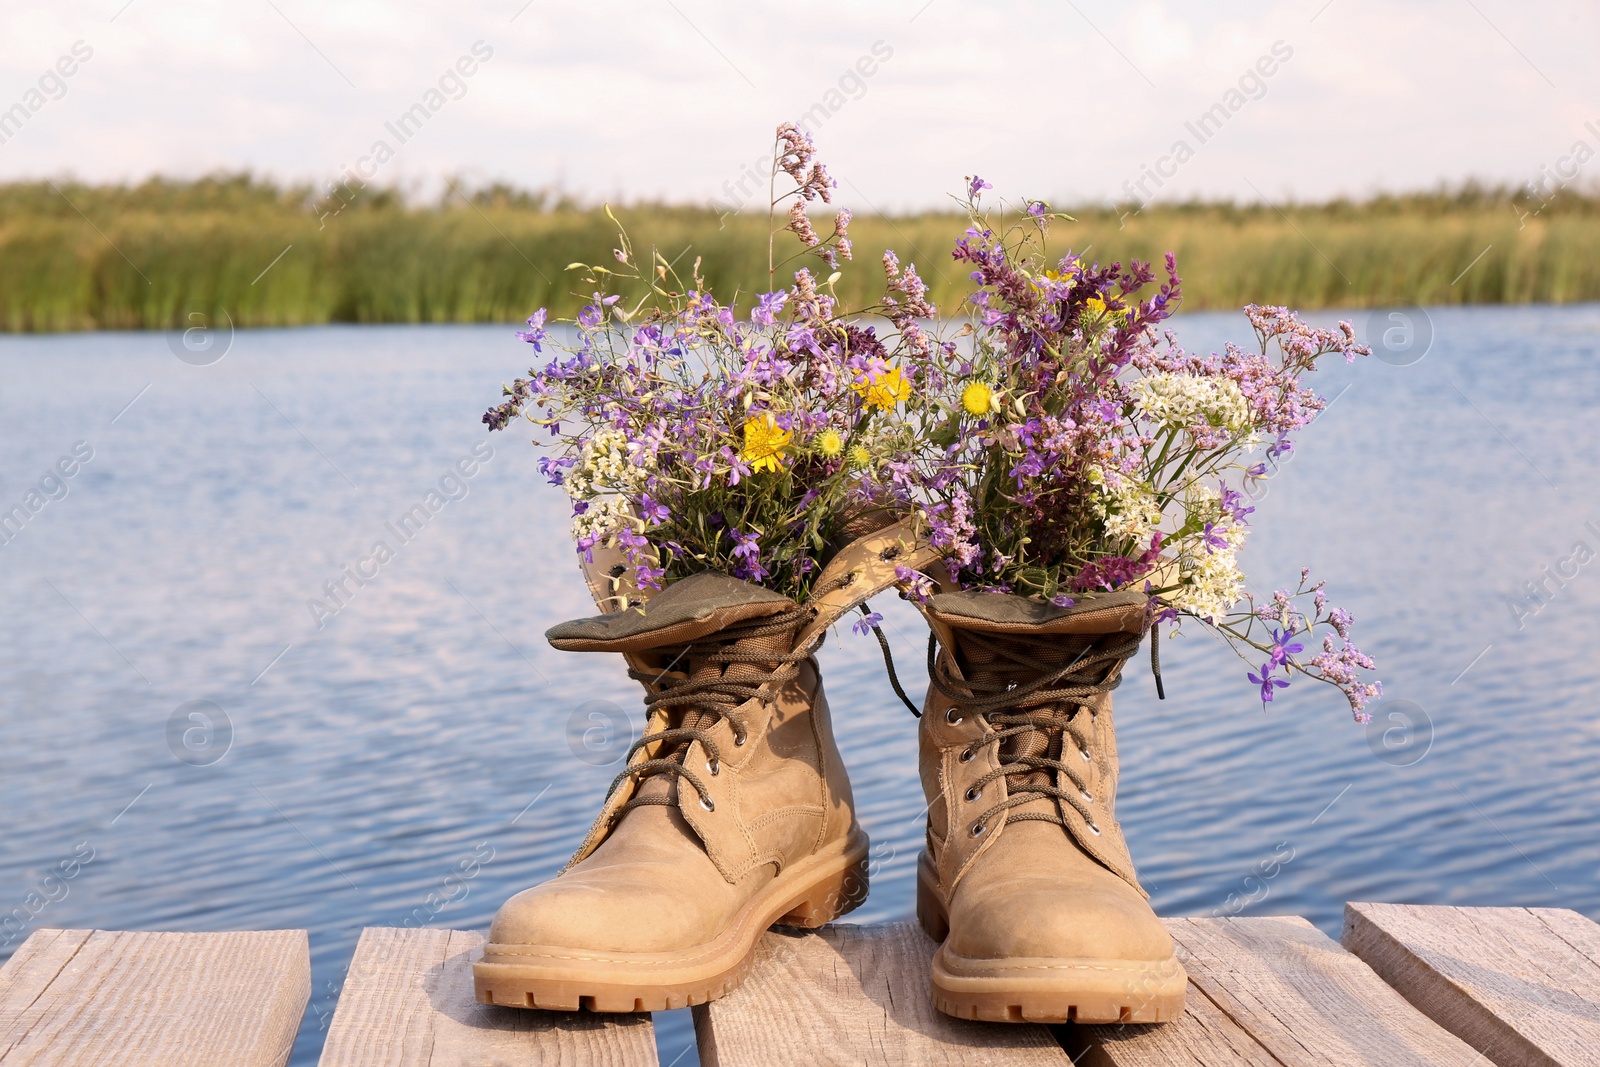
(1027, 880)
(734, 812)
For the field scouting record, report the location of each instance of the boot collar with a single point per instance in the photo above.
(1124, 611)
(687, 610)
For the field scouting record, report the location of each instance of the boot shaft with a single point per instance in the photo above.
(1017, 725)
(738, 738)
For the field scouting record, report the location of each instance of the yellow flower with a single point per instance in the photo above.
(764, 442)
(883, 391)
(829, 443)
(1096, 306)
(977, 398)
(860, 457)
(1062, 273)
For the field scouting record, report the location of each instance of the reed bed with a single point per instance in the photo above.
(78, 257)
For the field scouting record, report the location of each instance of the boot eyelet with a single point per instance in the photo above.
(740, 740)
(966, 755)
(952, 718)
(714, 766)
(1093, 829)
(978, 829)
(708, 804)
(1087, 795)
(973, 794)
(1085, 754)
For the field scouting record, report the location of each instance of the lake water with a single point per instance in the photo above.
(426, 723)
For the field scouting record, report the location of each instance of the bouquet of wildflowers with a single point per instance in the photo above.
(1053, 447)
(1078, 452)
(693, 437)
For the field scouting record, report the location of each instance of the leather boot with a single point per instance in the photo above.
(734, 812)
(1026, 879)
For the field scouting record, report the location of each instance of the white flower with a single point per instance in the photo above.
(603, 518)
(605, 464)
(608, 476)
(1126, 505)
(1210, 580)
(1185, 401)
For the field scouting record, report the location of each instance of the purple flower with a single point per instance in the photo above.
(976, 185)
(768, 306)
(867, 623)
(746, 545)
(747, 557)
(1341, 621)
(918, 586)
(590, 315)
(1212, 539)
(1036, 209)
(651, 510)
(1282, 650)
(1062, 600)
(1232, 500)
(535, 333)
(1267, 683)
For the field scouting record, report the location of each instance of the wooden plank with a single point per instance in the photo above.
(29, 973)
(408, 1001)
(1204, 1036)
(1522, 984)
(854, 995)
(86, 998)
(1274, 991)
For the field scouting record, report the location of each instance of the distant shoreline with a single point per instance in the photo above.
(96, 257)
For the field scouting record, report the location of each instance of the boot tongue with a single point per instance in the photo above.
(981, 664)
(699, 667)
(747, 673)
(1048, 635)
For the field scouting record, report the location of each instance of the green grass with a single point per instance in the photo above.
(118, 257)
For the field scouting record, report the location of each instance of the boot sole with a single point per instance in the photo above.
(1074, 990)
(808, 895)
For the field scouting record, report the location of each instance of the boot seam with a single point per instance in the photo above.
(774, 814)
(824, 764)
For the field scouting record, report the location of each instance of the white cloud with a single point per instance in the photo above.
(657, 99)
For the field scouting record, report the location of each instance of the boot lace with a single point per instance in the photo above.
(718, 674)
(1033, 720)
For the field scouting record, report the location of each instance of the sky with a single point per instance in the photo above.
(677, 99)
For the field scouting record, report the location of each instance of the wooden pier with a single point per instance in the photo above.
(1468, 987)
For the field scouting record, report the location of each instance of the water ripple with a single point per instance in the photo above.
(426, 722)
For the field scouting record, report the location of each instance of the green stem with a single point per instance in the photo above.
(772, 203)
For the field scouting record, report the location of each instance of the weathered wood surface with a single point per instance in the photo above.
(1522, 984)
(83, 998)
(1204, 1036)
(1466, 987)
(408, 1002)
(1277, 991)
(854, 995)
